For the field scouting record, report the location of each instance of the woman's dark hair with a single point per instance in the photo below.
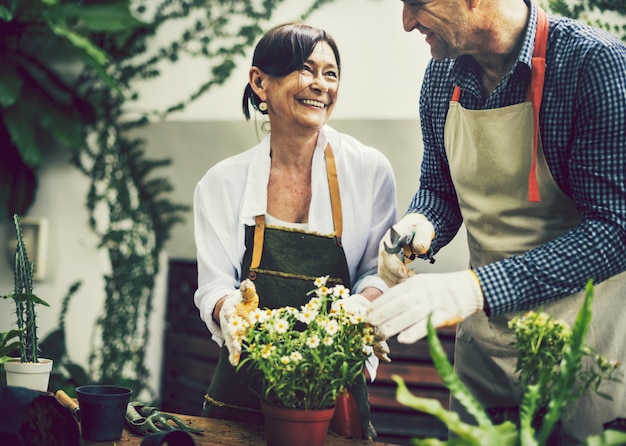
(283, 50)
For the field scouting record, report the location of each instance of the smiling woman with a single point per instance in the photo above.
(305, 202)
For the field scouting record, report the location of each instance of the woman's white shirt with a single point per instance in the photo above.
(234, 191)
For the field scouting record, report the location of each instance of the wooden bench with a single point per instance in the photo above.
(190, 357)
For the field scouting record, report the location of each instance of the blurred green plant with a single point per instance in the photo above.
(591, 12)
(39, 106)
(485, 432)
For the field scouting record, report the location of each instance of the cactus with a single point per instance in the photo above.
(25, 300)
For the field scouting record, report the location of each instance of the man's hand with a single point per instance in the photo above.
(391, 267)
(404, 309)
(358, 304)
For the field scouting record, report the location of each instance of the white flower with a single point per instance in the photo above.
(313, 341)
(331, 327)
(321, 282)
(296, 356)
(314, 304)
(281, 325)
(306, 316)
(237, 323)
(259, 316)
(341, 291)
(267, 350)
(328, 341)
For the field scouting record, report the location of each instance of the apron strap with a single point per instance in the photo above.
(535, 94)
(335, 202)
(335, 197)
(259, 235)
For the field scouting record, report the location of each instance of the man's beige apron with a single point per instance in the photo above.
(283, 263)
(509, 212)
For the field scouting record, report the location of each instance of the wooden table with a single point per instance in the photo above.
(229, 433)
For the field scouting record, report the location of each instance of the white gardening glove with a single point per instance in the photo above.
(236, 308)
(404, 309)
(358, 304)
(390, 267)
(227, 312)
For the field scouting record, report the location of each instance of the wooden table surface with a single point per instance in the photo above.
(220, 432)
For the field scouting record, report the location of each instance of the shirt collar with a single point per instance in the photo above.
(255, 193)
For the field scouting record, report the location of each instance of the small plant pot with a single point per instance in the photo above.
(294, 427)
(31, 375)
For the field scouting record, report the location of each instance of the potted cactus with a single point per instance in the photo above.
(28, 370)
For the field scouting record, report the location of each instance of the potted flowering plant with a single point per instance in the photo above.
(552, 375)
(305, 357)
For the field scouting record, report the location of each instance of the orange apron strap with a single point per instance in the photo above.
(335, 197)
(259, 235)
(456, 94)
(535, 94)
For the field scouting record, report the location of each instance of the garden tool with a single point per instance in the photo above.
(68, 402)
(401, 246)
(145, 420)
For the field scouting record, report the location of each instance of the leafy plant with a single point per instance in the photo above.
(586, 10)
(307, 356)
(7, 347)
(39, 105)
(486, 433)
(25, 300)
(542, 342)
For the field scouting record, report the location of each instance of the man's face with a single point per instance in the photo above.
(443, 22)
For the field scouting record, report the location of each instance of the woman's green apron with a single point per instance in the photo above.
(508, 212)
(283, 263)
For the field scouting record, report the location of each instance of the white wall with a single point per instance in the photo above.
(381, 75)
(382, 66)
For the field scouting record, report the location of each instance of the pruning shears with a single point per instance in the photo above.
(402, 246)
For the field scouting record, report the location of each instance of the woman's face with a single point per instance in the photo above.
(305, 98)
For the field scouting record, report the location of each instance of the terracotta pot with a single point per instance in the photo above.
(30, 375)
(294, 427)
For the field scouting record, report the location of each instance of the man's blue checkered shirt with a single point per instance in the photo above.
(583, 133)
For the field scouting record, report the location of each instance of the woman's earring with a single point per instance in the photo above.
(263, 106)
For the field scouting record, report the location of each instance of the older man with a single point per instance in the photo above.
(524, 127)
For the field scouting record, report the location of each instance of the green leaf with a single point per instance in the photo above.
(453, 382)
(10, 84)
(22, 128)
(609, 437)
(108, 17)
(66, 129)
(570, 365)
(26, 297)
(5, 347)
(94, 56)
(95, 53)
(5, 14)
